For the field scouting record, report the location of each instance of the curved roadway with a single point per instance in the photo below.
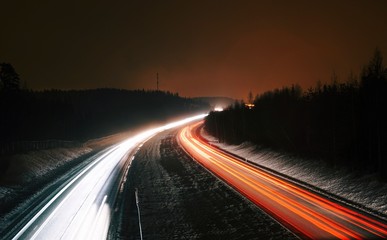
(304, 212)
(82, 207)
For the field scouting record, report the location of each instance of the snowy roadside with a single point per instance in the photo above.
(30, 174)
(27, 166)
(28, 169)
(366, 190)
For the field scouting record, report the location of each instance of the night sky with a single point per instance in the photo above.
(199, 48)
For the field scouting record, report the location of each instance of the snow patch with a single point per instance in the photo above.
(365, 190)
(26, 167)
(36, 164)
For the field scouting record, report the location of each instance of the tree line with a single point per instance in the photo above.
(341, 123)
(79, 115)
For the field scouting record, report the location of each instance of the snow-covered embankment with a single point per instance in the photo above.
(365, 190)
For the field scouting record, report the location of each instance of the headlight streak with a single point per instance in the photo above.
(302, 211)
(53, 199)
(82, 208)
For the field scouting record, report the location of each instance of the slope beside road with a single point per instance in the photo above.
(304, 212)
(81, 205)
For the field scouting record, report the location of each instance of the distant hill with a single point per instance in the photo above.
(222, 102)
(86, 114)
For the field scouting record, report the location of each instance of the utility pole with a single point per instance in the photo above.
(157, 79)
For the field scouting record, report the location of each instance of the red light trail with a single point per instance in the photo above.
(307, 214)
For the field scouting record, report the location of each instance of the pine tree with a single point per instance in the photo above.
(9, 78)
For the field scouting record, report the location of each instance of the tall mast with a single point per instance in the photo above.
(157, 81)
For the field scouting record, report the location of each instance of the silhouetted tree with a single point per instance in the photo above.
(343, 123)
(9, 78)
(374, 93)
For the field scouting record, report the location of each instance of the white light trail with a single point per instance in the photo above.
(82, 209)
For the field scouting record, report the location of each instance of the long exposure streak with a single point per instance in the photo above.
(305, 213)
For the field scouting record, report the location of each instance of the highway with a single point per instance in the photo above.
(307, 214)
(179, 199)
(83, 206)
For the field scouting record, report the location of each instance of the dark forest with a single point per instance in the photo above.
(79, 115)
(343, 123)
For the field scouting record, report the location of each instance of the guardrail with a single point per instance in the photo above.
(139, 214)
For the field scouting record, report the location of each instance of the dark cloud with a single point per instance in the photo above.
(198, 47)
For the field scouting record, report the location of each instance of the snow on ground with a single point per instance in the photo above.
(25, 171)
(38, 163)
(30, 168)
(26, 167)
(366, 190)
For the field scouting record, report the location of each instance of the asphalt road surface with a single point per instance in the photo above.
(179, 199)
(306, 213)
(214, 196)
(80, 205)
